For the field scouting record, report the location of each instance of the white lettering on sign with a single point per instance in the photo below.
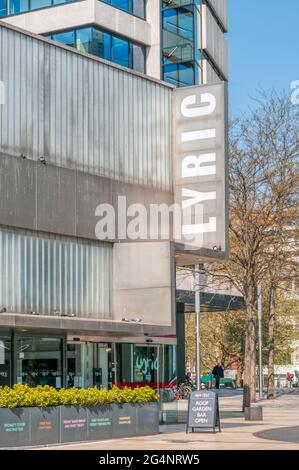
(198, 111)
(201, 165)
(192, 165)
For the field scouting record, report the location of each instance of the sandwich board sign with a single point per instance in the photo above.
(203, 411)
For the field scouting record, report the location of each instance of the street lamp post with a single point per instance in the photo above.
(197, 312)
(259, 316)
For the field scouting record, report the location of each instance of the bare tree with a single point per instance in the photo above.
(264, 148)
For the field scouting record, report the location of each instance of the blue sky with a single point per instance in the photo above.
(263, 47)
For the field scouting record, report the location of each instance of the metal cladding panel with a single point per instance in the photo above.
(213, 40)
(44, 273)
(82, 113)
(220, 9)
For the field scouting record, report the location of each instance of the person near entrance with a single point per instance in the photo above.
(218, 374)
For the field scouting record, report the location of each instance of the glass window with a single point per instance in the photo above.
(122, 4)
(120, 51)
(5, 360)
(180, 74)
(35, 4)
(94, 42)
(39, 361)
(170, 372)
(67, 38)
(146, 365)
(89, 365)
(139, 8)
(138, 58)
(17, 6)
(103, 376)
(2, 8)
(80, 365)
(179, 21)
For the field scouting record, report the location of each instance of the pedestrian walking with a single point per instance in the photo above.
(218, 374)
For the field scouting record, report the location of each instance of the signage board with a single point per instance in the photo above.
(200, 166)
(203, 411)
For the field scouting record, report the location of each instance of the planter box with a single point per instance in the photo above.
(99, 422)
(23, 427)
(14, 427)
(44, 425)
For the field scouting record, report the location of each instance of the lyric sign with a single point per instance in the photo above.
(200, 163)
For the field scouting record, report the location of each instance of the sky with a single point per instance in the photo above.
(263, 48)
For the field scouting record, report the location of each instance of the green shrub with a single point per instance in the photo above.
(45, 396)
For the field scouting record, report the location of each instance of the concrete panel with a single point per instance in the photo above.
(59, 200)
(141, 266)
(55, 199)
(17, 192)
(153, 306)
(143, 283)
(82, 13)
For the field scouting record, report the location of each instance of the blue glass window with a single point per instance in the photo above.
(67, 38)
(94, 42)
(180, 74)
(122, 4)
(135, 7)
(102, 44)
(17, 6)
(2, 8)
(120, 51)
(35, 4)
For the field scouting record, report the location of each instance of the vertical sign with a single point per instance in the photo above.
(200, 152)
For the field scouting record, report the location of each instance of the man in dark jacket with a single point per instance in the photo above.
(218, 374)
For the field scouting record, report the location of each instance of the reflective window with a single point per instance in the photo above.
(105, 45)
(94, 42)
(120, 51)
(89, 365)
(5, 360)
(146, 363)
(21, 6)
(136, 7)
(2, 8)
(180, 74)
(67, 38)
(39, 361)
(18, 6)
(35, 4)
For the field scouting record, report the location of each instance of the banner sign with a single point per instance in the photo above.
(200, 153)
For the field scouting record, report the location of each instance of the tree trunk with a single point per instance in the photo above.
(271, 333)
(239, 374)
(250, 348)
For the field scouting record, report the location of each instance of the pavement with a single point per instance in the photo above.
(279, 430)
